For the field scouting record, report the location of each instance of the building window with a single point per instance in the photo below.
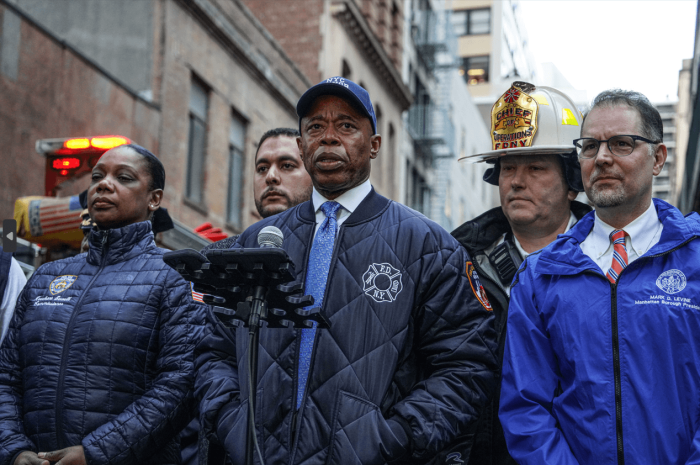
(472, 22)
(390, 155)
(396, 19)
(199, 102)
(391, 146)
(236, 145)
(347, 72)
(475, 70)
(417, 190)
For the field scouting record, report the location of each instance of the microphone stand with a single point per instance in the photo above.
(246, 288)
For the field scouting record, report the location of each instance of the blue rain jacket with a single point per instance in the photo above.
(598, 373)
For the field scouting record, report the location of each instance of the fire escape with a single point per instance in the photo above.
(430, 120)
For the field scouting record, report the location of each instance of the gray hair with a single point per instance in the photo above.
(652, 127)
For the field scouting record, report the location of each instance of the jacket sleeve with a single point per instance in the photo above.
(12, 436)
(456, 350)
(148, 424)
(216, 383)
(529, 382)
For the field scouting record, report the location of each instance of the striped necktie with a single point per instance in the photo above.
(619, 260)
(316, 277)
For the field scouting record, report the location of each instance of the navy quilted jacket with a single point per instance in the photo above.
(401, 372)
(100, 353)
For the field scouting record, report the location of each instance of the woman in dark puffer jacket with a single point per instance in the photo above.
(98, 365)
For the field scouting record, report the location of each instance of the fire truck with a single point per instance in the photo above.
(48, 225)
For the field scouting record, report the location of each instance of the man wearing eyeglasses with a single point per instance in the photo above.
(602, 356)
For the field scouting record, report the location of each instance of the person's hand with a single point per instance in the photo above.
(29, 458)
(74, 455)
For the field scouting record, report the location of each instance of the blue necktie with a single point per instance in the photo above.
(316, 277)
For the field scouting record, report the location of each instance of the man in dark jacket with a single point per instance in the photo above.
(408, 358)
(537, 182)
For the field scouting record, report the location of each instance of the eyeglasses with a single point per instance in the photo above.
(620, 146)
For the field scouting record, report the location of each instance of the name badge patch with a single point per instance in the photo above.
(61, 283)
(671, 281)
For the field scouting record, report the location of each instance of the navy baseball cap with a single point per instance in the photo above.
(340, 87)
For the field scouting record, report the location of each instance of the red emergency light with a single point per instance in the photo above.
(65, 163)
(108, 142)
(78, 145)
(72, 157)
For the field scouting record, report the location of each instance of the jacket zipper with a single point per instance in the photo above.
(64, 355)
(616, 354)
(616, 373)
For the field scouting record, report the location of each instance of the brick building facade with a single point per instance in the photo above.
(47, 89)
(195, 81)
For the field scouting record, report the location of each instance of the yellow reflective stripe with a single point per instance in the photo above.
(568, 118)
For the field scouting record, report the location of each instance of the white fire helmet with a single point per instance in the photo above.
(529, 120)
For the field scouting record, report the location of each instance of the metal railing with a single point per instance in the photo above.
(434, 38)
(431, 126)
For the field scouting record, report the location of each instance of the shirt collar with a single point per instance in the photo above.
(641, 231)
(349, 200)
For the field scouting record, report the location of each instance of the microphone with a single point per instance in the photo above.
(270, 236)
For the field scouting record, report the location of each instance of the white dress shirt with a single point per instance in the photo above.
(349, 201)
(642, 234)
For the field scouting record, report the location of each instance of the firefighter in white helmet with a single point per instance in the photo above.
(538, 175)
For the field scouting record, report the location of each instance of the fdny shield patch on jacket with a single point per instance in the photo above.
(61, 283)
(477, 288)
(382, 282)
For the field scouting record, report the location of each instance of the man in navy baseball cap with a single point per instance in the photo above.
(408, 356)
(338, 137)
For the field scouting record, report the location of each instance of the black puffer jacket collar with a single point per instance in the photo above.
(119, 244)
(482, 231)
